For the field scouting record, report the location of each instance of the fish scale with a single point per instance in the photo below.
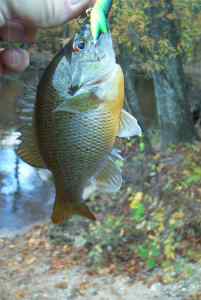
(81, 151)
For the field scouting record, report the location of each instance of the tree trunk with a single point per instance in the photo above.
(173, 112)
(133, 100)
(174, 115)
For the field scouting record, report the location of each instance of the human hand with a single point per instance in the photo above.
(20, 19)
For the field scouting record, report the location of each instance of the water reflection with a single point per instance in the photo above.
(26, 193)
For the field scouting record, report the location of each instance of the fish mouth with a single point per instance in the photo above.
(84, 45)
(91, 62)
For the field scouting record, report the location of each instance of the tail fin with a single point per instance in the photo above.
(64, 208)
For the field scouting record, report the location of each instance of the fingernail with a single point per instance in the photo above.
(75, 2)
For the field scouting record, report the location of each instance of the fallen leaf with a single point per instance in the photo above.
(20, 295)
(34, 242)
(83, 287)
(61, 285)
(30, 260)
(67, 249)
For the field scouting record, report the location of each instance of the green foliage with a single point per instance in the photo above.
(132, 22)
(193, 176)
(142, 145)
(160, 230)
(103, 238)
(149, 252)
(159, 225)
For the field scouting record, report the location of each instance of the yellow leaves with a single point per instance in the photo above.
(170, 247)
(176, 219)
(168, 278)
(20, 295)
(30, 260)
(194, 254)
(169, 251)
(171, 17)
(161, 227)
(178, 215)
(157, 156)
(138, 21)
(135, 200)
(61, 285)
(34, 243)
(159, 216)
(135, 14)
(67, 249)
(83, 287)
(147, 42)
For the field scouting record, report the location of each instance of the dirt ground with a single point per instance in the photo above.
(34, 268)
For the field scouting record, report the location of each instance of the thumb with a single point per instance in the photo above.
(77, 6)
(46, 13)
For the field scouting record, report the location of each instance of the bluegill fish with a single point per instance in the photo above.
(78, 114)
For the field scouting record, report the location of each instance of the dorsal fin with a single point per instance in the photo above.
(28, 149)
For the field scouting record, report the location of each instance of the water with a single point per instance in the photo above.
(26, 193)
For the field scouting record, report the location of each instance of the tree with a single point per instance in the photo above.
(157, 35)
(170, 89)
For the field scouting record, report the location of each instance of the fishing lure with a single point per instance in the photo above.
(99, 18)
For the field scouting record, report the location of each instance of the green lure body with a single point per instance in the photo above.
(104, 5)
(99, 18)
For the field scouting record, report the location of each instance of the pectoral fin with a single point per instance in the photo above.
(28, 149)
(128, 126)
(80, 103)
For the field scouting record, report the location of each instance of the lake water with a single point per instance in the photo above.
(26, 193)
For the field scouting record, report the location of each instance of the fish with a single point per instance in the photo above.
(99, 18)
(77, 116)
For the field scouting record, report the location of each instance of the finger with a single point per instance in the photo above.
(13, 60)
(77, 6)
(47, 13)
(14, 30)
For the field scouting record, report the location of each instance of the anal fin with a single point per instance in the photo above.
(108, 179)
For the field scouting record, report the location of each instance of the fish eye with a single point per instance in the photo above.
(81, 45)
